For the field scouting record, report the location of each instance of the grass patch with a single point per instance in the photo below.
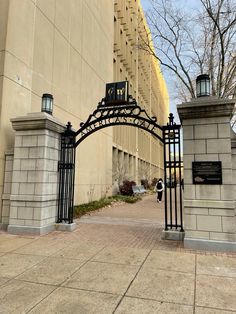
(80, 210)
(125, 198)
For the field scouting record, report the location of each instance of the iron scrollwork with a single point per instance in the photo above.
(128, 113)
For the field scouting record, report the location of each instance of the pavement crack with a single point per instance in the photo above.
(135, 276)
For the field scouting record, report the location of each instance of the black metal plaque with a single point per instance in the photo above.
(117, 93)
(207, 172)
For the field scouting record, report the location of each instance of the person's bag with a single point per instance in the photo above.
(159, 186)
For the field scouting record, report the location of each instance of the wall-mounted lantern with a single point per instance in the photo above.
(203, 85)
(47, 103)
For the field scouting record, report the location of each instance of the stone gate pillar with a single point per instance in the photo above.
(34, 190)
(209, 209)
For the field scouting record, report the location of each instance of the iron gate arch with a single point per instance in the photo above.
(123, 113)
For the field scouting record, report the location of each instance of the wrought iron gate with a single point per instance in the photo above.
(173, 166)
(66, 168)
(124, 112)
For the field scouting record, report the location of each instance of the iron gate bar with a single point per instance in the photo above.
(175, 184)
(165, 180)
(170, 178)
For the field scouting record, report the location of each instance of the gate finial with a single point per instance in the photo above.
(171, 119)
(68, 126)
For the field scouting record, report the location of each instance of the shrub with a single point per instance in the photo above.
(154, 181)
(80, 210)
(145, 183)
(126, 198)
(126, 187)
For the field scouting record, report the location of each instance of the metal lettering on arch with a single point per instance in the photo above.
(126, 112)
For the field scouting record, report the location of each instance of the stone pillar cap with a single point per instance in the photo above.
(206, 107)
(37, 121)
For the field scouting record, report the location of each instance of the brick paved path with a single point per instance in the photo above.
(114, 263)
(136, 225)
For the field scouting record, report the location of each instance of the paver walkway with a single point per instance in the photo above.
(114, 262)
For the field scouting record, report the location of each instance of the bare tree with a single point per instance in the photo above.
(120, 171)
(191, 43)
(144, 171)
(90, 192)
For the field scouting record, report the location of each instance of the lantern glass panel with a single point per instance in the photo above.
(203, 85)
(198, 89)
(203, 88)
(47, 103)
(208, 87)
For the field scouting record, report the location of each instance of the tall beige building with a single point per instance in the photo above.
(71, 49)
(136, 154)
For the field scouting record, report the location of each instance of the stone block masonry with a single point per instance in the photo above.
(9, 156)
(209, 210)
(33, 198)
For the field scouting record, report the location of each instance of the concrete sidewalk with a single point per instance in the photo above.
(114, 262)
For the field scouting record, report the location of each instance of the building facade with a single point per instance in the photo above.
(136, 154)
(71, 49)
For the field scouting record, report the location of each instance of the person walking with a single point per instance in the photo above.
(159, 190)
